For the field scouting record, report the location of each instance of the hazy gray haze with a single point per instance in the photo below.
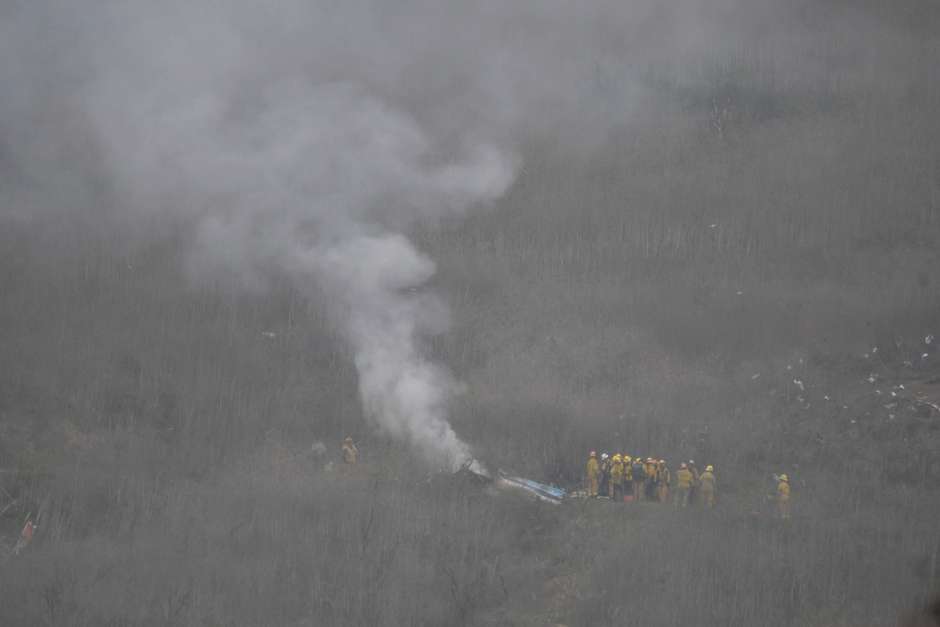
(511, 232)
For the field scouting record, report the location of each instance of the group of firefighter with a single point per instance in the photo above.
(650, 479)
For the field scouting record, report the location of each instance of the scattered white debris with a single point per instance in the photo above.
(269, 334)
(878, 392)
(909, 364)
(890, 416)
(799, 384)
(929, 340)
(874, 351)
(924, 356)
(866, 355)
(894, 393)
(712, 226)
(826, 397)
(929, 404)
(755, 376)
(901, 386)
(740, 293)
(318, 448)
(789, 367)
(872, 378)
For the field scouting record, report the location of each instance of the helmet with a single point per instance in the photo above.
(691, 462)
(616, 457)
(709, 468)
(604, 456)
(348, 439)
(663, 462)
(784, 478)
(626, 459)
(593, 453)
(683, 465)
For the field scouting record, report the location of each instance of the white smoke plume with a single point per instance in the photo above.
(316, 182)
(314, 178)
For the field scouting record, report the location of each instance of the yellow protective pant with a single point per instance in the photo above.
(708, 496)
(592, 485)
(783, 507)
(682, 496)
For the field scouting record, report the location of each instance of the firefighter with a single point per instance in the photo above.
(707, 486)
(683, 485)
(616, 478)
(593, 473)
(693, 491)
(783, 496)
(627, 474)
(639, 477)
(665, 480)
(350, 452)
(652, 477)
(604, 486)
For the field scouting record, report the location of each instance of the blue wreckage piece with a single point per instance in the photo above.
(545, 492)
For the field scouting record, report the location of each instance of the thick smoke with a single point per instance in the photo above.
(312, 175)
(318, 180)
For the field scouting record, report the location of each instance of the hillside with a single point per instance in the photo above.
(699, 231)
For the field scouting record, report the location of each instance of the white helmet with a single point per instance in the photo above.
(604, 455)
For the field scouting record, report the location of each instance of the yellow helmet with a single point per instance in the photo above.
(616, 458)
(784, 478)
(626, 459)
(709, 468)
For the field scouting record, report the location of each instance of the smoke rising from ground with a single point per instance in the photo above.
(283, 162)
(317, 178)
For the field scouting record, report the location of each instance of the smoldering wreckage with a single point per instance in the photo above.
(504, 483)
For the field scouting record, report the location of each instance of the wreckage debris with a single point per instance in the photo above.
(543, 492)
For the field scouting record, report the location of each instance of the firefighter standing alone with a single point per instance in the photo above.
(707, 486)
(350, 452)
(783, 496)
